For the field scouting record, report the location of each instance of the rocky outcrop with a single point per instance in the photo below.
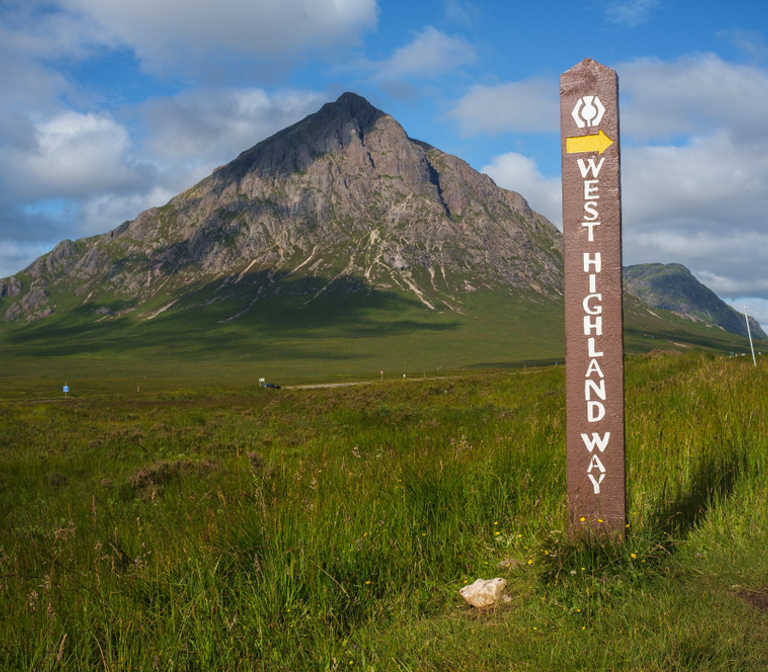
(10, 287)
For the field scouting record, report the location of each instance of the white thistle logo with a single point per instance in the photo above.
(588, 111)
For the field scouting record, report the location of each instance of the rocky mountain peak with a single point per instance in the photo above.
(350, 106)
(342, 125)
(342, 194)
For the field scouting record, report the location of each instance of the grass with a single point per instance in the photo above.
(347, 331)
(189, 527)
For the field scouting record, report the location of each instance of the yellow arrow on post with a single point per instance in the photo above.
(588, 143)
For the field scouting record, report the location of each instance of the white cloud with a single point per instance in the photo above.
(170, 33)
(14, 256)
(630, 13)
(100, 214)
(530, 106)
(40, 30)
(732, 262)
(700, 199)
(692, 95)
(521, 174)
(28, 232)
(431, 53)
(214, 126)
(71, 155)
(726, 285)
(702, 205)
(710, 180)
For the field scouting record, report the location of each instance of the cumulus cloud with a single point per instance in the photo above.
(694, 162)
(521, 174)
(732, 262)
(692, 95)
(71, 155)
(28, 231)
(430, 54)
(73, 174)
(695, 169)
(170, 33)
(710, 179)
(69, 168)
(730, 286)
(101, 213)
(15, 256)
(530, 106)
(50, 30)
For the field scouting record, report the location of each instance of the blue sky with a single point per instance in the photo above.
(109, 108)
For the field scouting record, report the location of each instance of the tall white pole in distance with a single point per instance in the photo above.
(749, 333)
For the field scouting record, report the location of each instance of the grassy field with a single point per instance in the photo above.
(189, 526)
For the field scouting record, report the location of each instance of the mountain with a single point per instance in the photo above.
(673, 287)
(344, 193)
(338, 245)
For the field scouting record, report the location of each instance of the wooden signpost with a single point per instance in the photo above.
(594, 342)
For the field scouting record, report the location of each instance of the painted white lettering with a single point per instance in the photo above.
(591, 225)
(591, 386)
(590, 190)
(591, 167)
(596, 483)
(595, 411)
(596, 441)
(597, 326)
(596, 262)
(594, 367)
(592, 283)
(595, 310)
(591, 209)
(591, 348)
(595, 462)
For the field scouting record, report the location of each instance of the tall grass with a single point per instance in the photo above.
(243, 529)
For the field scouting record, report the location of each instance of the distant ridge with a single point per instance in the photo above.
(673, 287)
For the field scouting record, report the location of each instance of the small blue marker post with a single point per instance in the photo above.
(66, 389)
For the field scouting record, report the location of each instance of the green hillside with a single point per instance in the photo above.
(347, 331)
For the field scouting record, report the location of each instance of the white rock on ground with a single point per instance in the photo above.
(483, 593)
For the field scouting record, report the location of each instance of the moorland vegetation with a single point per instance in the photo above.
(189, 527)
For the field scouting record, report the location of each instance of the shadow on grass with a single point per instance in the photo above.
(721, 341)
(676, 514)
(596, 563)
(271, 311)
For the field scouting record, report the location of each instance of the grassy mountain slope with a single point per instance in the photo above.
(341, 334)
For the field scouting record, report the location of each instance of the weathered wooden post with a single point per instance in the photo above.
(594, 341)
